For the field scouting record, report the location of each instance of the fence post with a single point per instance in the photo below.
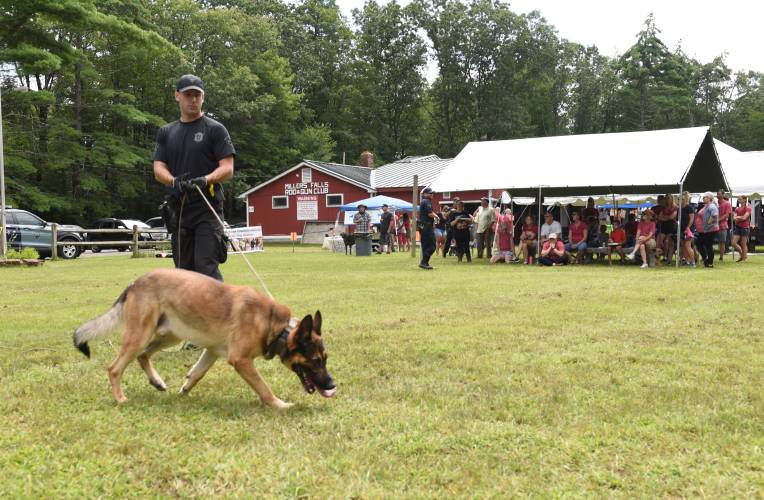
(53, 241)
(135, 241)
(414, 203)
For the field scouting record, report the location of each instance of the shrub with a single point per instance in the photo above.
(25, 253)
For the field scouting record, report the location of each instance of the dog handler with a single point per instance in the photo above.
(427, 219)
(194, 151)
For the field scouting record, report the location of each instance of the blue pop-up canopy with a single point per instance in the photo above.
(376, 202)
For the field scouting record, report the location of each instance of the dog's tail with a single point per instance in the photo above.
(100, 326)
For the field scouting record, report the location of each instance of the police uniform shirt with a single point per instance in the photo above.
(194, 148)
(425, 209)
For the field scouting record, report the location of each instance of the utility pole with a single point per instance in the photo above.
(3, 237)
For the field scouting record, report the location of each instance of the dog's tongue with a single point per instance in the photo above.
(327, 393)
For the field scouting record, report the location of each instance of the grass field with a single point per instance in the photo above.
(469, 381)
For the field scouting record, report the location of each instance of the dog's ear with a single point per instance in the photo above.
(301, 333)
(317, 323)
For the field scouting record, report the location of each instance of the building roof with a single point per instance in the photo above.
(353, 174)
(400, 173)
(629, 162)
(361, 175)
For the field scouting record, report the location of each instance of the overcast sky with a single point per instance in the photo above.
(705, 28)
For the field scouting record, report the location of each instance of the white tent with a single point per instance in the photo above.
(744, 171)
(661, 161)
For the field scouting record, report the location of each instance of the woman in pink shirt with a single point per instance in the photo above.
(645, 237)
(725, 214)
(528, 238)
(578, 231)
(742, 229)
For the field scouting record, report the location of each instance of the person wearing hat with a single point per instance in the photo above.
(362, 220)
(386, 227)
(485, 216)
(553, 252)
(425, 224)
(194, 153)
(645, 237)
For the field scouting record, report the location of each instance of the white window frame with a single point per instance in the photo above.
(306, 178)
(342, 199)
(273, 205)
(447, 195)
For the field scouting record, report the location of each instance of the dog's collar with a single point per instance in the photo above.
(279, 345)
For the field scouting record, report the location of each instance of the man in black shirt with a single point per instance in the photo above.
(385, 224)
(194, 151)
(427, 219)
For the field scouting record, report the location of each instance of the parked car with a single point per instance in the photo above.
(158, 223)
(112, 223)
(26, 230)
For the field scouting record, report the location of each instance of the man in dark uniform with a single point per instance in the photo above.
(194, 151)
(425, 223)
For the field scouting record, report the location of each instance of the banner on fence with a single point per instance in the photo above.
(249, 239)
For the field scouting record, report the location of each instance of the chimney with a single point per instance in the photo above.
(367, 159)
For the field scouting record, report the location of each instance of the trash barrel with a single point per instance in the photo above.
(363, 244)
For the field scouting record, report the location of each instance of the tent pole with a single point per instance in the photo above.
(538, 225)
(679, 227)
(732, 227)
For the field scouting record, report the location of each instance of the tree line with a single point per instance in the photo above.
(86, 84)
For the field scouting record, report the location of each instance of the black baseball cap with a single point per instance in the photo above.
(189, 82)
(427, 190)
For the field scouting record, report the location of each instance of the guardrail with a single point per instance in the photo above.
(135, 241)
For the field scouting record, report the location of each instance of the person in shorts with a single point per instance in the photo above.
(688, 219)
(725, 217)
(440, 231)
(666, 238)
(645, 238)
(742, 227)
(386, 229)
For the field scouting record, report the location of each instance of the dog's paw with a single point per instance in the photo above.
(280, 405)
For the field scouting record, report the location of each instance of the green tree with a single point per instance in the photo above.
(390, 58)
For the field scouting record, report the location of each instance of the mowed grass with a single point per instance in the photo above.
(469, 381)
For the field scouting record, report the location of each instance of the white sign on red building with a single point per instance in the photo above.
(307, 208)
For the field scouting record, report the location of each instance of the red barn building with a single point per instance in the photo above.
(313, 191)
(309, 191)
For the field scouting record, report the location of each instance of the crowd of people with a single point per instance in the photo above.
(647, 237)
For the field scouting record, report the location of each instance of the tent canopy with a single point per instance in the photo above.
(628, 163)
(744, 171)
(376, 202)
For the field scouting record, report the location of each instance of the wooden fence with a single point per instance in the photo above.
(135, 242)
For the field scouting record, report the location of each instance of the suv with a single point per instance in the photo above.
(26, 230)
(112, 223)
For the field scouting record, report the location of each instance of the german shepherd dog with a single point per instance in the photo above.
(238, 323)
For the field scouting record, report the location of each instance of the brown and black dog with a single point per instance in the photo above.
(167, 306)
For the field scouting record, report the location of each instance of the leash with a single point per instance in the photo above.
(234, 244)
